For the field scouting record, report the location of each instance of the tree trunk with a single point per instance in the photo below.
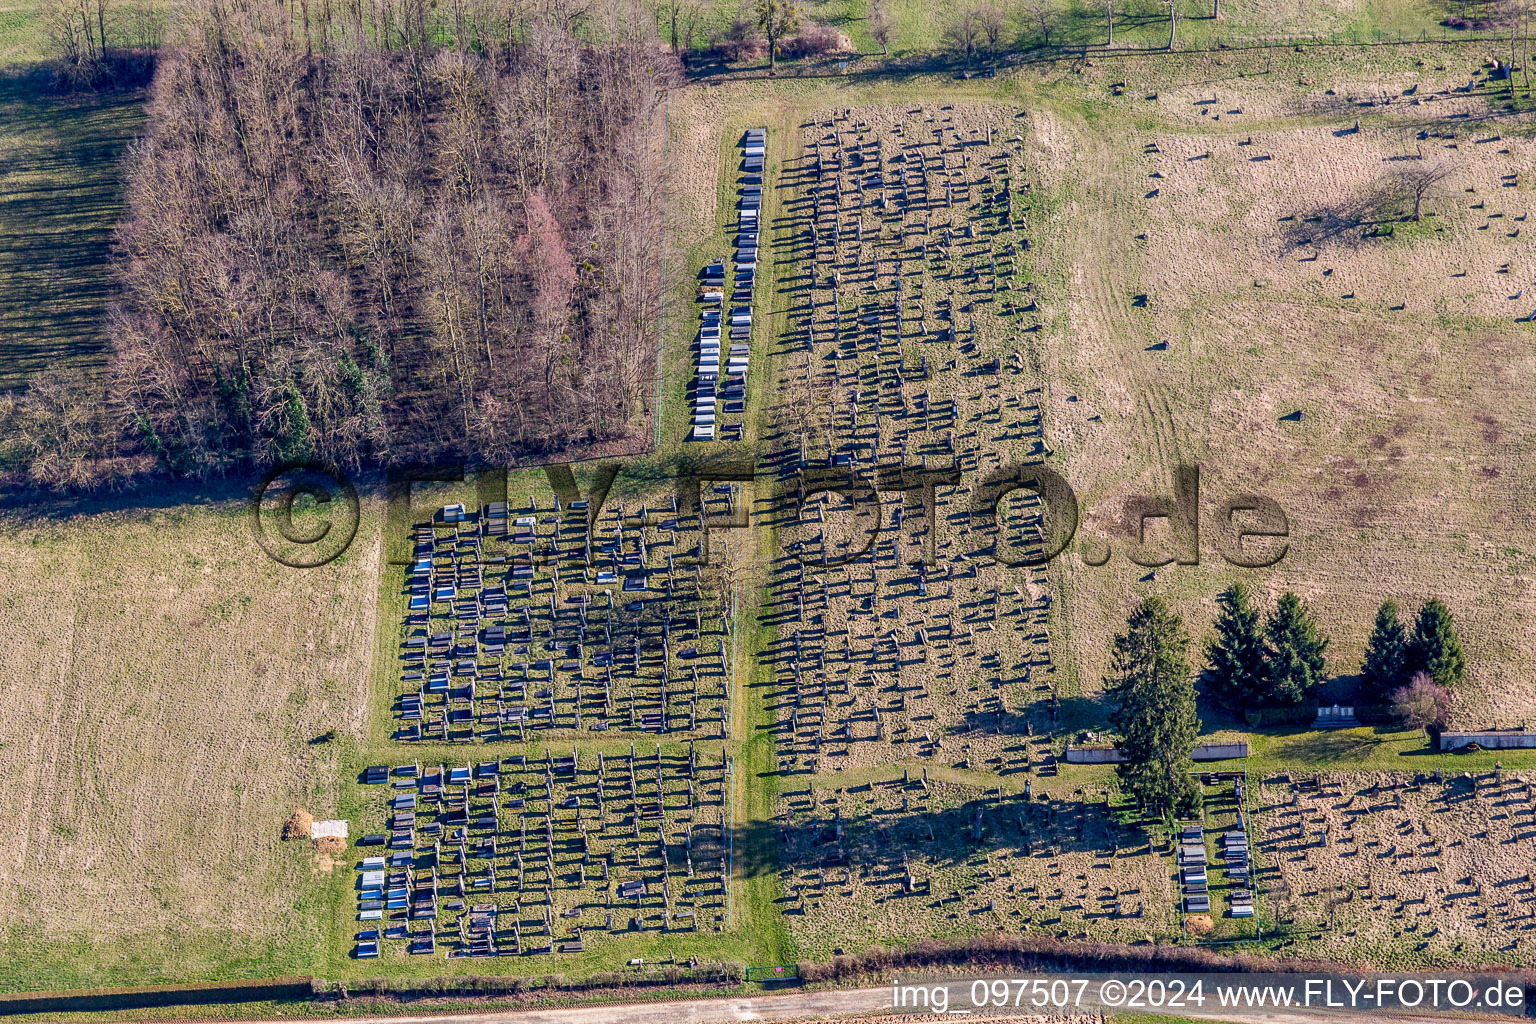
(1173, 22)
(1215, 9)
(1514, 34)
(1109, 20)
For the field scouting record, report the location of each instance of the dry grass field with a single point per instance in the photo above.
(164, 682)
(1406, 355)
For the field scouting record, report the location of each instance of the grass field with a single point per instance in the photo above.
(918, 26)
(168, 682)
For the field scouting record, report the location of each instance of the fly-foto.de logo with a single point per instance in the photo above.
(840, 512)
(1247, 530)
(831, 515)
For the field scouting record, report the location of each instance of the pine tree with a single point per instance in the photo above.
(1293, 651)
(1434, 647)
(1238, 673)
(1154, 692)
(1385, 653)
(292, 441)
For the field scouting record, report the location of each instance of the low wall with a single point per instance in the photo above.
(1093, 755)
(1220, 751)
(1104, 754)
(1501, 739)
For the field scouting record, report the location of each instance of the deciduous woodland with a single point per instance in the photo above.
(380, 234)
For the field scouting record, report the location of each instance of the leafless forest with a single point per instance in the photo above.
(375, 234)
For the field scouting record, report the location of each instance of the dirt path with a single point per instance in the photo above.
(822, 1006)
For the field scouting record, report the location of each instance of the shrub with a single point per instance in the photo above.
(815, 40)
(739, 42)
(1474, 24)
(1423, 704)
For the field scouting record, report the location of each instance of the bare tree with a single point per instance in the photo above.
(1423, 703)
(1417, 180)
(880, 24)
(363, 246)
(1525, 35)
(681, 18)
(989, 19)
(1042, 16)
(808, 407)
(962, 32)
(52, 431)
(1515, 12)
(77, 36)
(142, 23)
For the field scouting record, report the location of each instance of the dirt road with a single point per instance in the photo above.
(833, 1004)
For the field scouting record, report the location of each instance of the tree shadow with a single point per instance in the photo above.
(62, 184)
(1349, 221)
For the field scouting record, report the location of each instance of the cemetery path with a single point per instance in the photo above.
(829, 1004)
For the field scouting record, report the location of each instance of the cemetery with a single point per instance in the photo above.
(712, 395)
(1433, 866)
(901, 368)
(541, 854)
(523, 621)
(1217, 870)
(903, 854)
(937, 768)
(550, 724)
